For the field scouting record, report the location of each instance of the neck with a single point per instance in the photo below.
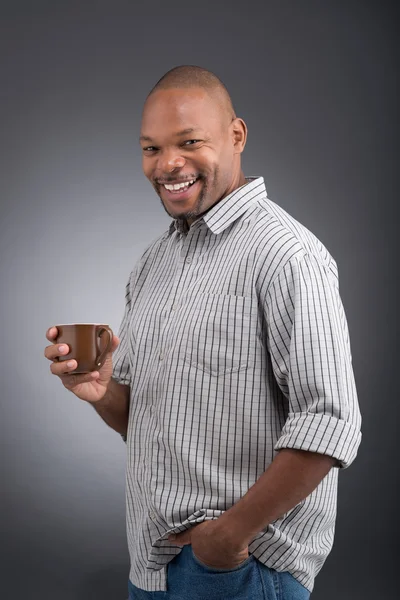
(242, 179)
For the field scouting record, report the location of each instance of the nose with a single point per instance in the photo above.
(169, 160)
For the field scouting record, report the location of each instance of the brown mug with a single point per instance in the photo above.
(89, 344)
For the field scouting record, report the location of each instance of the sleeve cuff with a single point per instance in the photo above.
(323, 434)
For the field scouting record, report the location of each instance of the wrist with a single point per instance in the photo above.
(104, 401)
(233, 530)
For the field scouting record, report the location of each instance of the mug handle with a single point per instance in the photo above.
(101, 355)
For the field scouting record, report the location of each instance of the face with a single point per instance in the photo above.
(191, 150)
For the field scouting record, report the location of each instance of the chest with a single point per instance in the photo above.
(197, 303)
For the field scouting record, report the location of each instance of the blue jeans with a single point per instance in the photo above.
(190, 579)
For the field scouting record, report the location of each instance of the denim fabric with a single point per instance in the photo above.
(189, 579)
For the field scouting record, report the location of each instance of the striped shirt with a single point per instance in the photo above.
(235, 344)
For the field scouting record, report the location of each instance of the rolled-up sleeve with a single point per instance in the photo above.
(309, 345)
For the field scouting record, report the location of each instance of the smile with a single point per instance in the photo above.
(179, 187)
(182, 191)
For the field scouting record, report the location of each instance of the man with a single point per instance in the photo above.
(231, 381)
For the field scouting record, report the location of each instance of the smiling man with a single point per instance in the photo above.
(232, 380)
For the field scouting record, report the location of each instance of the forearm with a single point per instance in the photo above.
(114, 406)
(290, 478)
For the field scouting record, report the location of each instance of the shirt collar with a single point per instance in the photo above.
(230, 208)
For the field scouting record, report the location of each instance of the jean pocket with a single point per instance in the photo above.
(210, 569)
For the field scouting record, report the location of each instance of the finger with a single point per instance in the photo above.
(53, 351)
(64, 367)
(52, 333)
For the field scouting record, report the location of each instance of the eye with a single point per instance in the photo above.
(149, 149)
(191, 142)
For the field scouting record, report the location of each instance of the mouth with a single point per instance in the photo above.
(178, 191)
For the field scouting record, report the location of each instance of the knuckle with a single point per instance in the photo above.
(56, 368)
(50, 352)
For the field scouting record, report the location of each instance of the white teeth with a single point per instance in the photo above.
(178, 186)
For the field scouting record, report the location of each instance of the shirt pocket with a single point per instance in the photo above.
(219, 332)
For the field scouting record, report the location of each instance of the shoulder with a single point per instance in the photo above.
(284, 241)
(145, 260)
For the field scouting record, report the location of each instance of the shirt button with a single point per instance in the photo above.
(189, 259)
(152, 515)
(161, 356)
(175, 307)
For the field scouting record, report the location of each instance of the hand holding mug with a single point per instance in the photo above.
(81, 356)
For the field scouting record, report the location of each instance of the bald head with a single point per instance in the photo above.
(191, 76)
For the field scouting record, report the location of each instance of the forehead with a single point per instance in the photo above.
(168, 112)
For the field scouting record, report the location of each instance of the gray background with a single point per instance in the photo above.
(316, 83)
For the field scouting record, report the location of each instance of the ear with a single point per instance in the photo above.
(239, 135)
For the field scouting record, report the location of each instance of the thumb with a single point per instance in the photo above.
(181, 539)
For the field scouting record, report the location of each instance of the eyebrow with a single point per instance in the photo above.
(146, 138)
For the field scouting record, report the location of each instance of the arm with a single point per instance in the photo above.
(310, 354)
(107, 389)
(289, 479)
(113, 408)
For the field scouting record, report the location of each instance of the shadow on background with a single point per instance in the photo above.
(107, 583)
